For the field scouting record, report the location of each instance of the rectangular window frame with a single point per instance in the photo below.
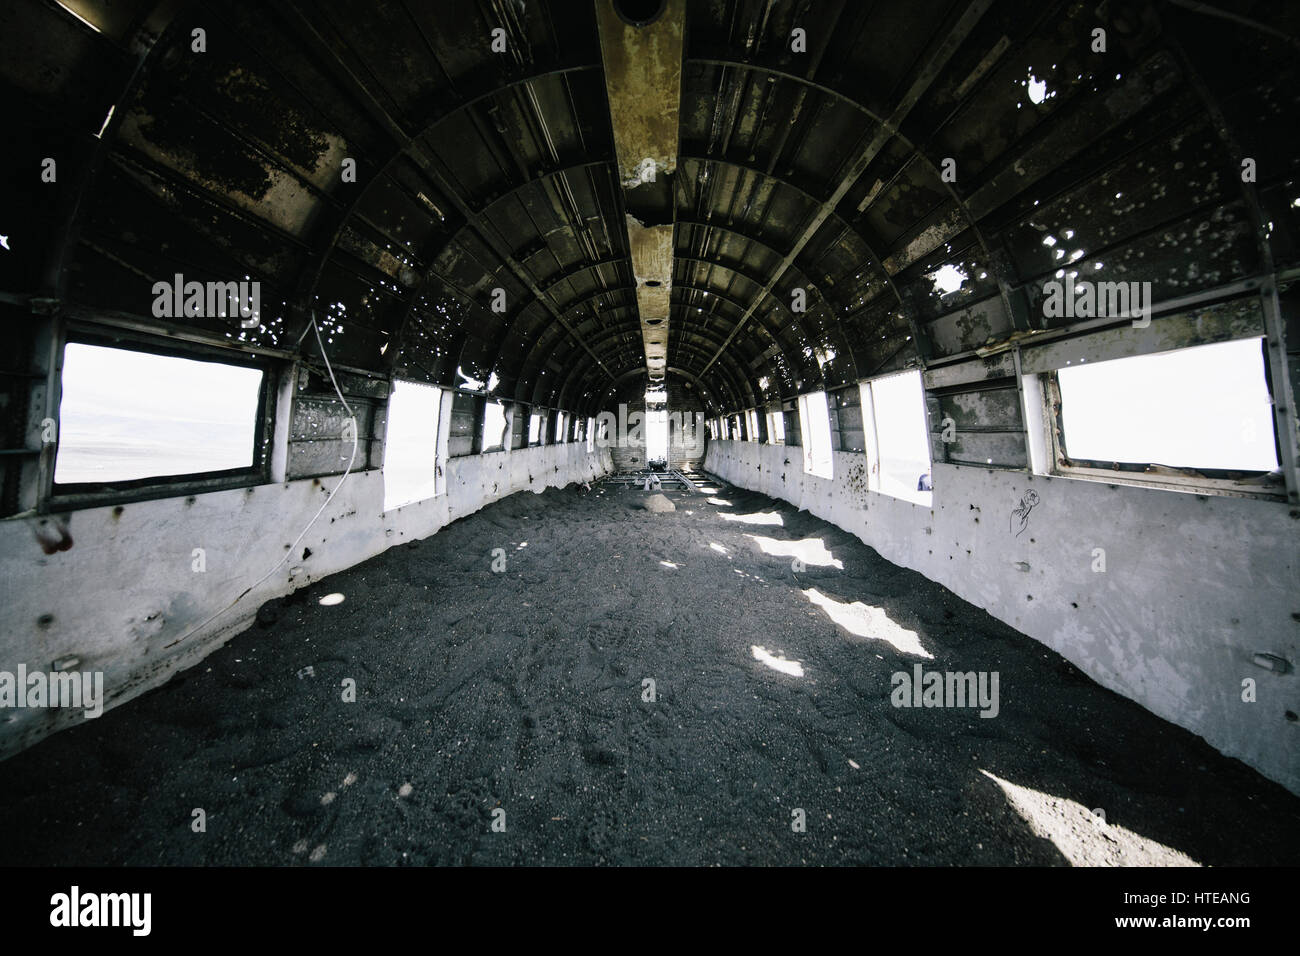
(810, 461)
(1206, 481)
(95, 494)
(491, 448)
(872, 445)
(775, 425)
(439, 475)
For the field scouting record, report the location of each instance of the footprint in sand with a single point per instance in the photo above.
(601, 831)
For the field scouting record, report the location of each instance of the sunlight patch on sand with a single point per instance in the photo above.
(864, 620)
(1084, 837)
(766, 657)
(811, 551)
(758, 517)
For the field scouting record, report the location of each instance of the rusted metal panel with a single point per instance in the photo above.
(312, 459)
(643, 79)
(987, 408)
(994, 449)
(970, 371)
(462, 435)
(319, 418)
(973, 326)
(848, 411)
(1241, 318)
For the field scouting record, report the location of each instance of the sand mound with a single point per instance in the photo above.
(659, 504)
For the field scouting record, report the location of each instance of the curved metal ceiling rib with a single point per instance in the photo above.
(698, 331)
(739, 385)
(431, 274)
(818, 170)
(738, 268)
(331, 236)
(733, 380)
(336, 218)
(797, 319)
(800, 279)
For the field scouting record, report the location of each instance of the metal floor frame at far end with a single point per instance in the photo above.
(652, 479)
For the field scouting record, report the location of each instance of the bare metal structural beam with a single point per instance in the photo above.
(643, 82)
(924, 77)
(413, 149)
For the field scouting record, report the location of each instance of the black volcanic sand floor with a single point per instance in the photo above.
(522, 691)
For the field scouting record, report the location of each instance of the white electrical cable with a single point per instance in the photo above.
(352, 420)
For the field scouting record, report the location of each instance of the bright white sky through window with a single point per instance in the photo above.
(656, 435)
(902, 435)
(1203, 407)
(816, 426)
(494, 426)
(776, 429)
(411, 444)
(126, 415)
